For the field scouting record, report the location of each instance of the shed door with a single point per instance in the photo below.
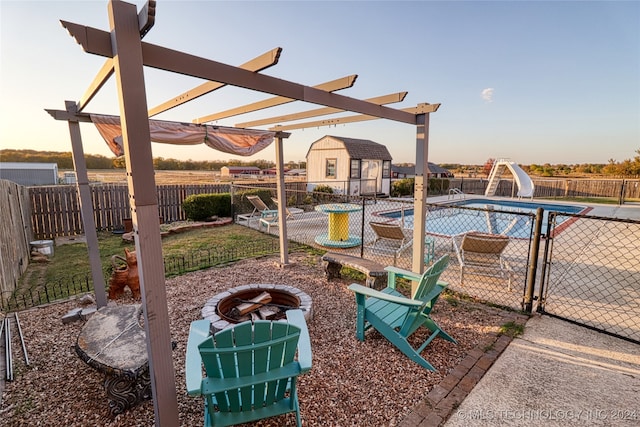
(370, 177)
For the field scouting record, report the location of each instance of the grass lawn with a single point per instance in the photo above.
(72, 260)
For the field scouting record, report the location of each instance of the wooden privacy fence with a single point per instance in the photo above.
(55, 210)
(619, 189)
(15, 234)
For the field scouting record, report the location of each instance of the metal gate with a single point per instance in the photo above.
(591, 273)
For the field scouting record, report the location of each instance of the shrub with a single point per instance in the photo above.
(323, 193)
(402, 187)
(199, 207)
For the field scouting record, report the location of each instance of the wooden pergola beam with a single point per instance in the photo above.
(259, 63)
(99, 80)
(146, 19)
(420, 109)
(341, 83)
(86, 118)
(98, 42)
(379, 100)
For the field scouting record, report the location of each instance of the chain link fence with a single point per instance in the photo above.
(492, 268)
(592, 273)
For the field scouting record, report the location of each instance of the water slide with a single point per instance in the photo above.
(523, 181)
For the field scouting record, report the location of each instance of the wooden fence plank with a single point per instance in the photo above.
(15, 235)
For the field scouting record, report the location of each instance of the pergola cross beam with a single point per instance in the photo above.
(258, 63)
(341, 83)
(420, 109)
(380, 100)
(98, 42)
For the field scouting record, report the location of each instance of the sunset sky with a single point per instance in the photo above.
(536, 82)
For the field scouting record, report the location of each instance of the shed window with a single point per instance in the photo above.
(331, 168)
(386, 168)
(355, 168)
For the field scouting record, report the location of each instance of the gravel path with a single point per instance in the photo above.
(352, 383)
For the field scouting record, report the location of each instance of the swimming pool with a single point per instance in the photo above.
(509, 217)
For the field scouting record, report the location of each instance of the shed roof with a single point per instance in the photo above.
(362, 148)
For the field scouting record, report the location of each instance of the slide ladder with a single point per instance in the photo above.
(523, 181)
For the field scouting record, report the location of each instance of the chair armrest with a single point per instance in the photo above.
(372, 293)
(198, 332)
(267, 213)
(402, 273)
(296, 318)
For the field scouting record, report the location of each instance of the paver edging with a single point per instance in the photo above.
(444, 398)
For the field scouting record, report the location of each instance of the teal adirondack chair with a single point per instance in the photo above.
(397, 317)
(251, 369)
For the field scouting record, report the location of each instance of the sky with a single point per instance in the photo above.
(533, 81)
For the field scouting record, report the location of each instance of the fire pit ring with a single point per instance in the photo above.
(217, 307)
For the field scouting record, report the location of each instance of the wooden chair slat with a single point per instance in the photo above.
(397, 317)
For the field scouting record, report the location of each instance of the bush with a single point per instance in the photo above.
(402, 187)
(199, 207)
(323, 193)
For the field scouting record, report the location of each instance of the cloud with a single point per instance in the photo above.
(487, 94)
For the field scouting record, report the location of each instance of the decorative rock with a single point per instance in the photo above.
(87, 312)
(71, 316)
(86, 300)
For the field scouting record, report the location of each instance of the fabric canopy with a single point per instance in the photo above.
(243, 142)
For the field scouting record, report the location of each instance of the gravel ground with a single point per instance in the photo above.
(352, 383)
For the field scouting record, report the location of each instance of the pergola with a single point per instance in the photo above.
(126, 55)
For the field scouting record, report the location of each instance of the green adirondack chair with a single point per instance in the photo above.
(250, 369)
(397, 317)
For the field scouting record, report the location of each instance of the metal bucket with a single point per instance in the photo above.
(45, 247)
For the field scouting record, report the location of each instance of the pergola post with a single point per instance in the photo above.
(86, 207)
(420, 192)
(128, 65)
(281, 194)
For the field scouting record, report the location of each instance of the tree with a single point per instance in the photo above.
(488, 165)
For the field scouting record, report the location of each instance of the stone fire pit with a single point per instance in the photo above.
(220, 308)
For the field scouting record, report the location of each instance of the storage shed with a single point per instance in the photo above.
(29, 174)
(349, 166)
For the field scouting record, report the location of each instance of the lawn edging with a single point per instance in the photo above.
(444, 398)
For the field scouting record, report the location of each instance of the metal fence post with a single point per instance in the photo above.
(527, 304)
(362, 229)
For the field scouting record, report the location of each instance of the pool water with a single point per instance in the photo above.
(511, 218)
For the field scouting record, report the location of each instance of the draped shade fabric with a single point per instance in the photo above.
(243, 142)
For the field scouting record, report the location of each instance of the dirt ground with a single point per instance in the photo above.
(366, 383)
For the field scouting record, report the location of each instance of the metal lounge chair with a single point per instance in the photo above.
(259, 208)
(250, 369)
(290, 212)
(397, 317)
(482, 253)
(390, 238)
